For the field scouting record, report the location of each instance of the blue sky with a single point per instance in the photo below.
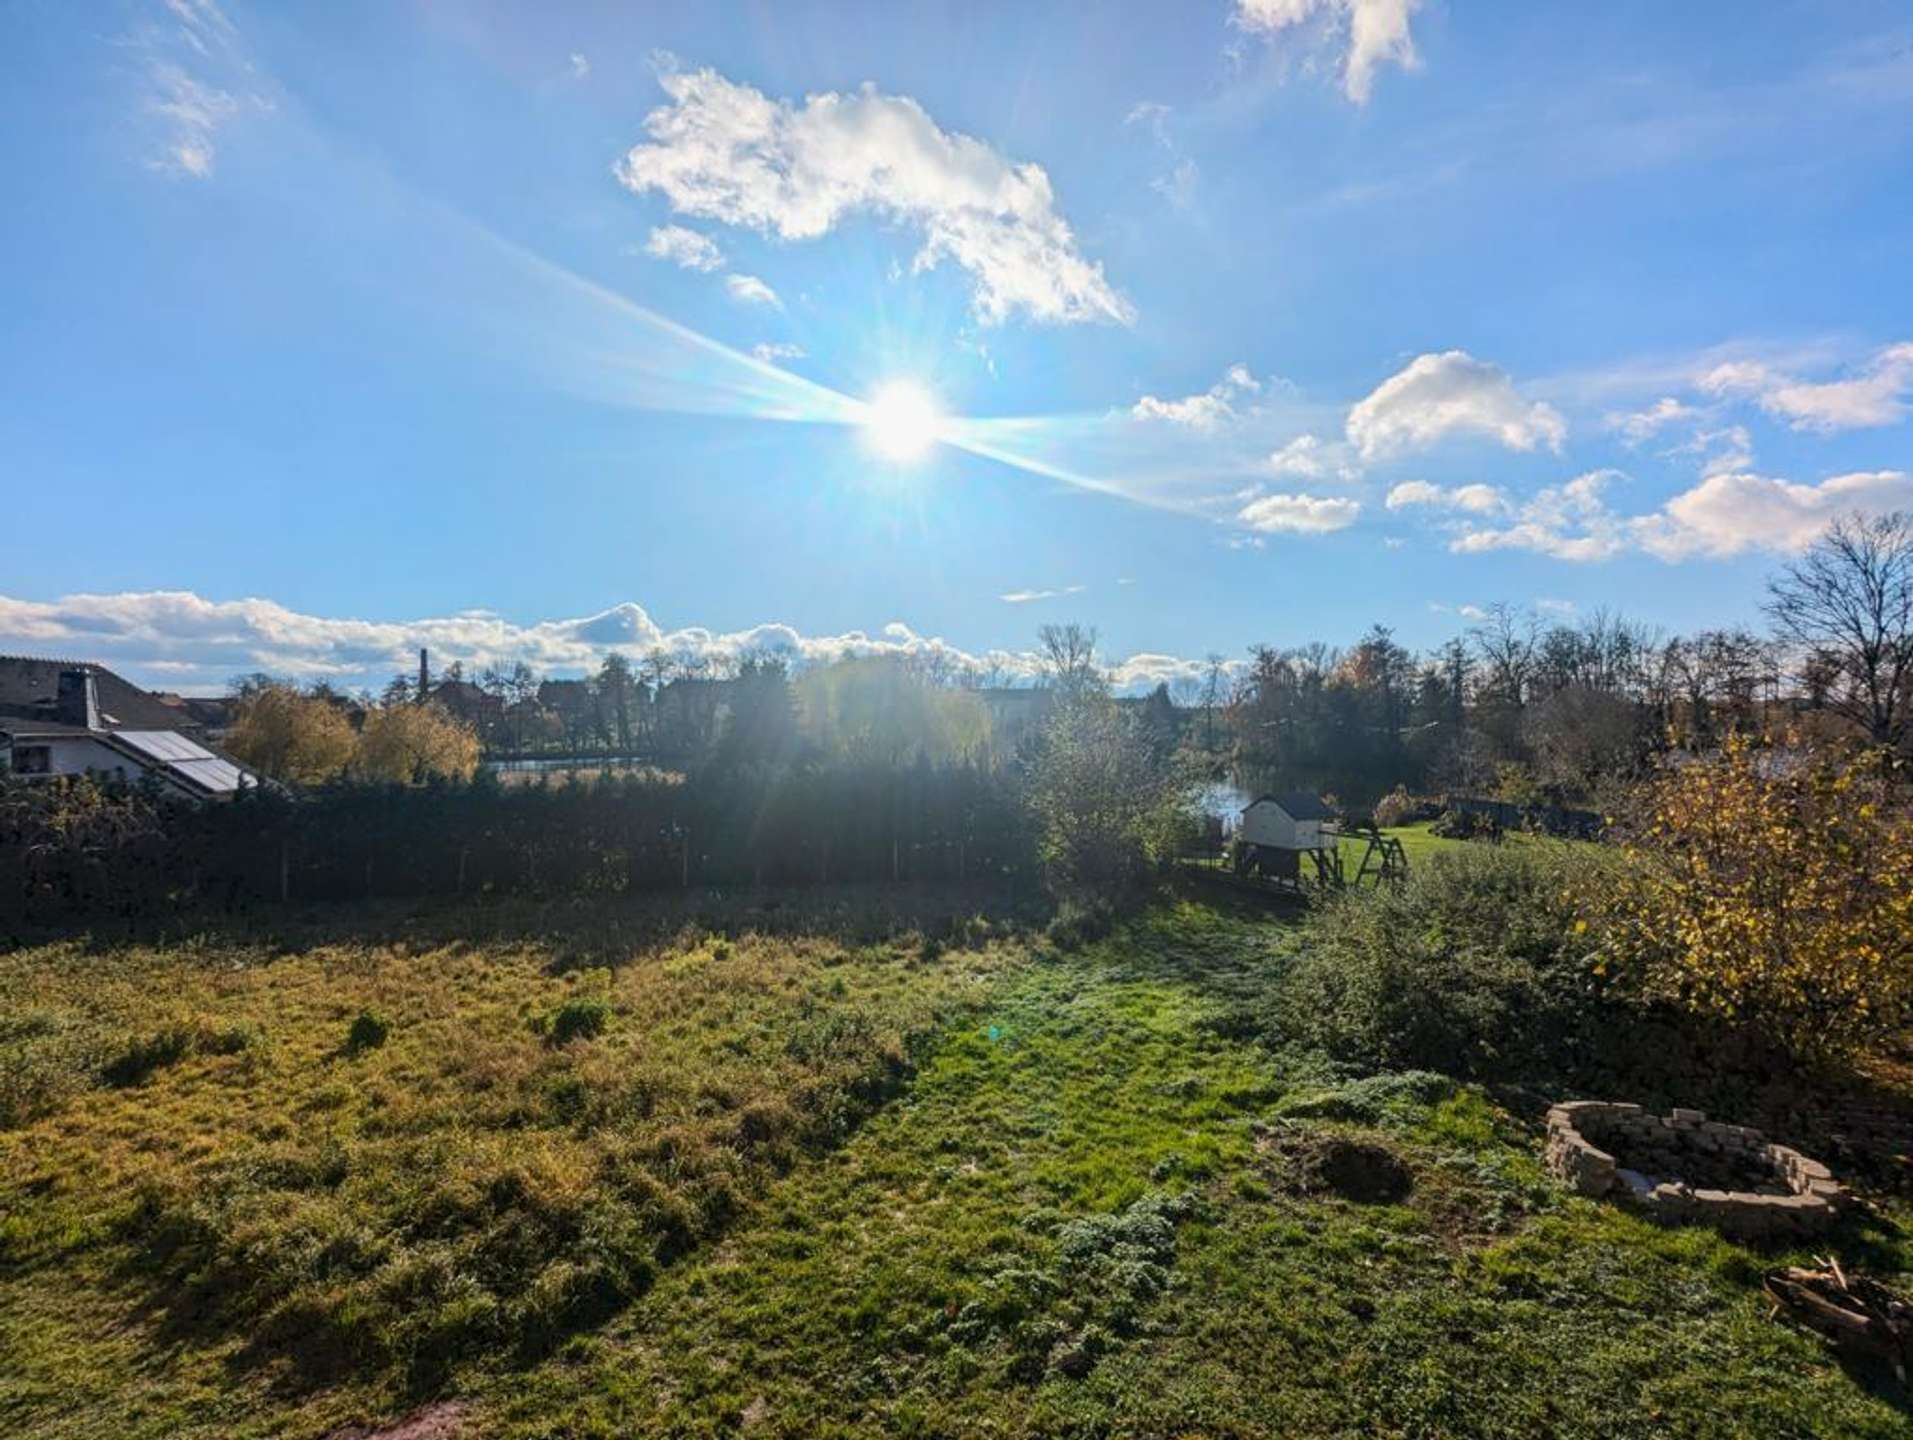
(521, 331)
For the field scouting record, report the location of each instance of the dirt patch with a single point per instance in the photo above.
(1311, 1163)
(442, 1421)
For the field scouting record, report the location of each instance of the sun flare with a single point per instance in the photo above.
(901, 421)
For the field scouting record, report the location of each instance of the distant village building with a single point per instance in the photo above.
(65, 717)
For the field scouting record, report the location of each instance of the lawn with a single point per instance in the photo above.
(991, 1187)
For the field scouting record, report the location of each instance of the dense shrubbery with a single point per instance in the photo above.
(1473, 966)
(77, 848)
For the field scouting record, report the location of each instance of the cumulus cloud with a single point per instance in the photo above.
(1874, 397)
(1307, 458)
(729, 153)
(177, 639)
(1438, 395)
(771, 351)
(1299, 514)
(1475, 499)
(580, 65)
(1214, 407)
(749, 290)
(1374, 32)
(1567, 522)
(684, 247)
(1724, 515)
(1727, 514)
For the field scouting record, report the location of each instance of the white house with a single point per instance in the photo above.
(53, 722)
(1285, 822)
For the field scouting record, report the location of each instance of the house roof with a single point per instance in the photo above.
(185, 761)
(1298, 804)
(29, 687)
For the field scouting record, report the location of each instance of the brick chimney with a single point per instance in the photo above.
(77, 702)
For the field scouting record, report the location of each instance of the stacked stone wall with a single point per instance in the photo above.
(1684, 1167)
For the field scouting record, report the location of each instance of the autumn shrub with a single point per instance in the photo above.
(1769, 889)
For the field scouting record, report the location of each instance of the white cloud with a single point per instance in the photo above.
(192, 114)
(1567, 522)
(1206, 411)
(1475, 499)
(1438, 395)
(1376, 32)
(751, 291)
(1299, 514)
(729, 153)
(1725, 514)
(1309, 459)
(580, 66)
(1178, 184)
(1728, 514)
(176, 639)
(684, 247)
(1555, 607)
(1024, 597)
(1877, 396)
(772, 351)
(1644, 424)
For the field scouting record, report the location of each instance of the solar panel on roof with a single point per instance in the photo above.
(187, 759)
(165, 745)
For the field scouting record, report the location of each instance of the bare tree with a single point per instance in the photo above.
(1847, 604)
(1069, 658)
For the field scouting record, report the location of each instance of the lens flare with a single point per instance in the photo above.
(901, 421)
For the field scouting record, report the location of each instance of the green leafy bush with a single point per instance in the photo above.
(1474, 966)
(582, 1017)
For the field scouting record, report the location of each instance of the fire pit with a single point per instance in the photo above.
(1683, 1166)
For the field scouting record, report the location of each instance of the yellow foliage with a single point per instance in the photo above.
(407, 744)
(1771, 888)
(300, 739)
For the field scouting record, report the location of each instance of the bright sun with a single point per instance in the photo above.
(901, 421)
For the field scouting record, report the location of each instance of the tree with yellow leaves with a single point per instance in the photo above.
(408, 744)
(285, 735)
(1771, 888)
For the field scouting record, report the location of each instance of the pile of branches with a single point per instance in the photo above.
(1860, 1317)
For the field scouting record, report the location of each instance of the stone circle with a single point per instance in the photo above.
(1684, 1167)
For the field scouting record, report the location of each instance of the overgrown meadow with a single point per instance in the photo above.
(871, 1161)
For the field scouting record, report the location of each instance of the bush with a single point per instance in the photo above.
(369, 1031)
(1466, 825)
(1772, 892)
(580, 1017)
(1398, 807)
(1473, 966)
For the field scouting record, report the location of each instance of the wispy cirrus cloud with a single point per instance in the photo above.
(1025, 597)
(199, 80)
(1369, 33)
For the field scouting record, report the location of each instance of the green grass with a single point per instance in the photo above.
(1085, 1206)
